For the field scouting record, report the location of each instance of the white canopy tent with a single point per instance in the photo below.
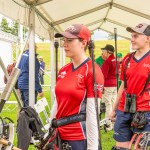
(6, 41)
(49, 16)
(102, 14)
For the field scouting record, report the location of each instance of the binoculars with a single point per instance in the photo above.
(130, 103)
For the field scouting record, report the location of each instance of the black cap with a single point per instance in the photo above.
(108, 48)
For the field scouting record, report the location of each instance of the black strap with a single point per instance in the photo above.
(146, 84)
(68, 120)
(126, 66)
(125, 79)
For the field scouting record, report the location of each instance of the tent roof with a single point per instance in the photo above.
(96, 14)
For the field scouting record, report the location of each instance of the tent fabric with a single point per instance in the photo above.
(96, 14)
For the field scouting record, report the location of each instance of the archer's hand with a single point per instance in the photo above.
(41, 94)
(112, 116)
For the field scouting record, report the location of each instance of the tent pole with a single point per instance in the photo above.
(52, 60)
(62, 55)
(56, 45)
(115, 37)
(32, 57)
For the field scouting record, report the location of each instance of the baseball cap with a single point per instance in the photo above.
(41, 57)
(142, 28)
(108, 48)
(76, 31)
(119, 55)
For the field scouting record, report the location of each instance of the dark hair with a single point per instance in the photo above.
(85, 46)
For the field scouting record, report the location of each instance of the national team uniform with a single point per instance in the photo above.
(137, 73)
(73, 87)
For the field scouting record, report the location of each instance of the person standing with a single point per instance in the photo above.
(135, 87)
(119, 59)
(110, 81)
(23, 80)
(75, 92)
(99, 61)
(42, 68)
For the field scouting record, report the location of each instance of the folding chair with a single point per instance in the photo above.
(43, 110)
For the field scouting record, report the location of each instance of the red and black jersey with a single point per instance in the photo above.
(109, 71)
(73, 87)
(137, 73)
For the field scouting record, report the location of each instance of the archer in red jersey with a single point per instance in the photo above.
(134, 92)
(75, 91)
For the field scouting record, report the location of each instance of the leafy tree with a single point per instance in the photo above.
(41, 38)
(14, 28)
(110, 36)
(4, 26)
(25, 30)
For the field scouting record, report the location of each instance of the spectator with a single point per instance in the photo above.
(110, 81)
(119, 59)
(42, 68)
(23, 80)
(99, 61)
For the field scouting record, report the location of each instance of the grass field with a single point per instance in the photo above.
(123, 46)
(12, 112)
(44, 50)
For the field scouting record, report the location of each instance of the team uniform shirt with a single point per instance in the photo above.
(136, 76)
(109, 71)
(73, 87)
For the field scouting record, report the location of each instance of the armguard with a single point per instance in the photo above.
(91, 125)
(53, 111)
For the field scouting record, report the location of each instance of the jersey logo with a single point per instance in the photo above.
(139, 26)
(79, 76)
(71, 28)
(62, 74)
(146, 65)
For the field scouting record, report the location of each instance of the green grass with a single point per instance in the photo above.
(106, 137)
(44, 50)
(9, 111)
(123, 46)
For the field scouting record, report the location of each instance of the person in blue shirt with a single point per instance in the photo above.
(23, 80)
(41, 72)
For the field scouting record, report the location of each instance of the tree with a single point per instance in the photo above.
(25, 30)
(110, 36)
(14, 28)
(41, 38)
(4, 26)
